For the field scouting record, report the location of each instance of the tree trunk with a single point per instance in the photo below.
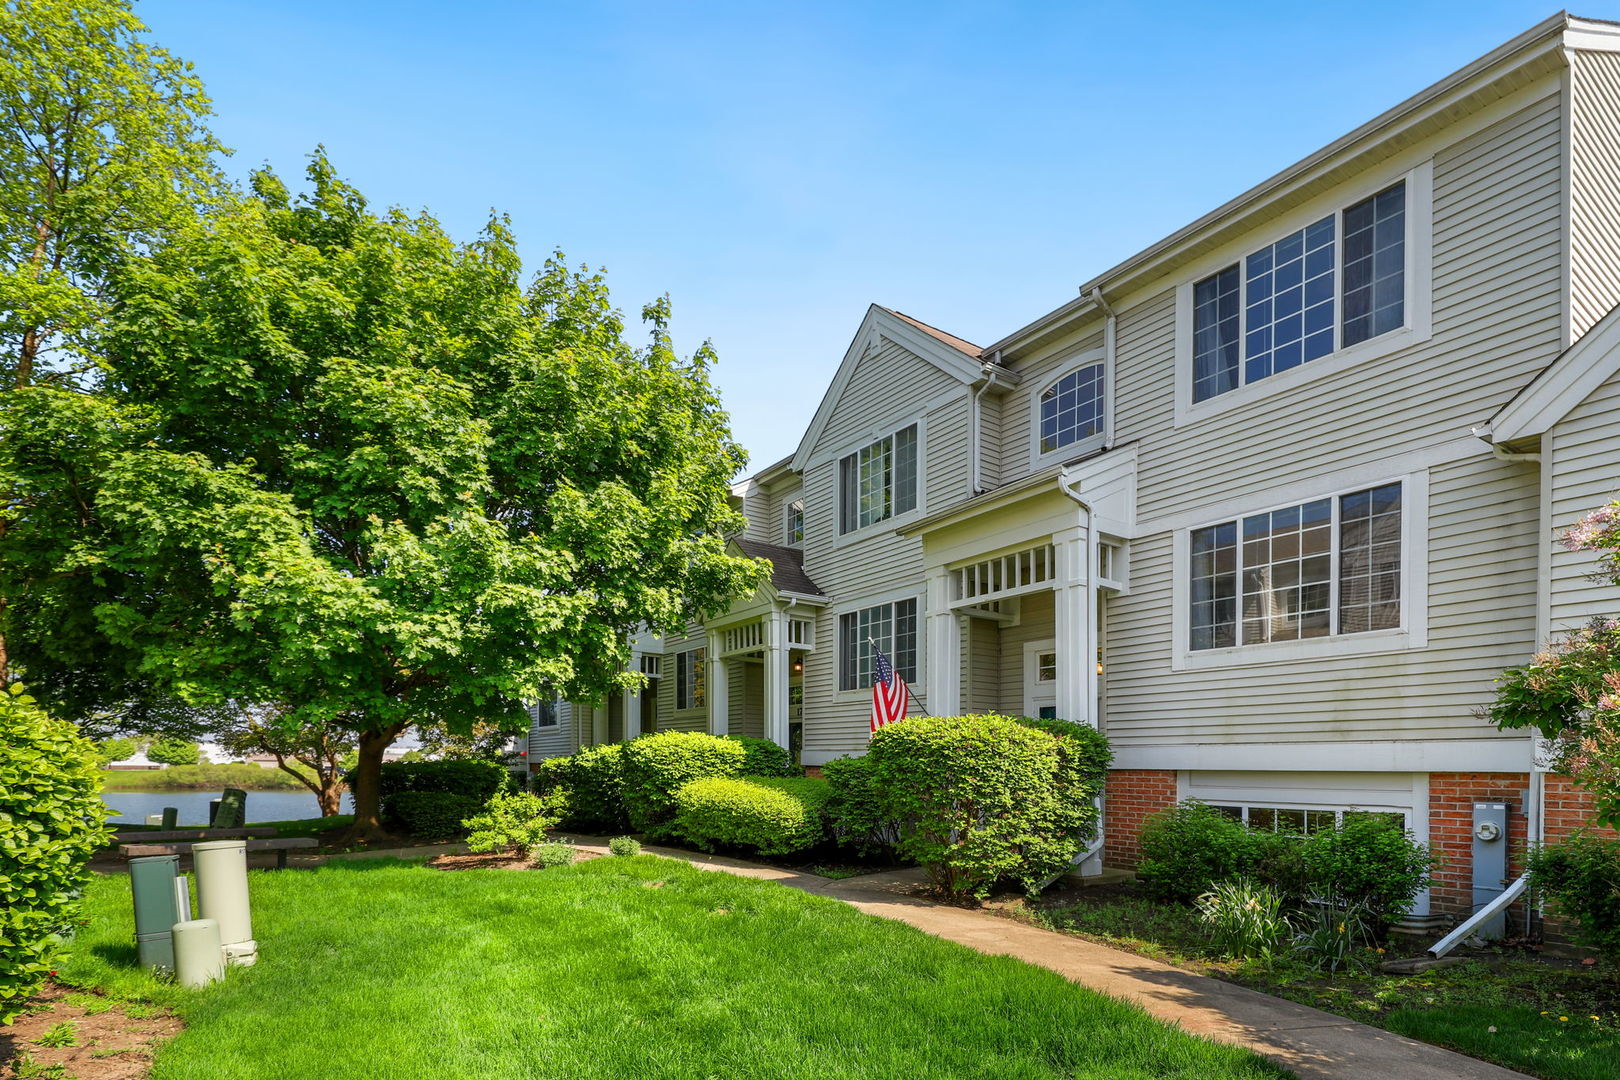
(330, 797)
(367, 778)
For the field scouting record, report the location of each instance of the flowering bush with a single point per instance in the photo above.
(1570, 691)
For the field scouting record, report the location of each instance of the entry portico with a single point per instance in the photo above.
(1015, 584)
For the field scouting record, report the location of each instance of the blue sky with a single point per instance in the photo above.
(775, 168)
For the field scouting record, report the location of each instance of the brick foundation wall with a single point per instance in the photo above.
(1565, 809)
(1132, 795)
(1451, 829)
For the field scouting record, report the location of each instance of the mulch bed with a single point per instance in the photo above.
(109, 1043)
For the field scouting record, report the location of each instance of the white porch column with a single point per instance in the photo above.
(944, 680)
(599, 724)
(776, 678)
(1075, 608)
(632, 703)
(717, 688)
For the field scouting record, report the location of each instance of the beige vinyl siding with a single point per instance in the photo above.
(874, 564)
(668, 718)
(558, 740)
(777, 532)
(1496, 322)
(747, 704)
(981, 665)
(1584, 454)
(1483, 519)
(1594, 188)
(992, 468)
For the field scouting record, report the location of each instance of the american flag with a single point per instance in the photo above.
(890, 695)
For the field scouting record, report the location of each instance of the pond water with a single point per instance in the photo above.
(133, 806)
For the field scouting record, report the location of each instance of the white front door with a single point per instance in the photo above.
(1040, 679)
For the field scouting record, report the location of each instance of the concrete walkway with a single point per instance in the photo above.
(1315, 1045)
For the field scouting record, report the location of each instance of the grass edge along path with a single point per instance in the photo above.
(645, 966)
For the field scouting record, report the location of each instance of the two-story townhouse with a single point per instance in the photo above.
(1271, 502)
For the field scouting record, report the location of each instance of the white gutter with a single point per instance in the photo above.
(1495, 907)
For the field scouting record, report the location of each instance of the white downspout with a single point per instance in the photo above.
(1109, 327)
(1066, 484)
(976, 426)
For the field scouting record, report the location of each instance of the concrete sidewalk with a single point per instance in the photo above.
(1315, 1045)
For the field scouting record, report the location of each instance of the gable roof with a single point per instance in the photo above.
(952, 355)
(787, 566)
(1563, 384)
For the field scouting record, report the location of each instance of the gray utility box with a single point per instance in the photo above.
(1490, 858)
(157, 907)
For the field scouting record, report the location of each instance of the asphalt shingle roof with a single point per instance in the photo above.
(787, 566)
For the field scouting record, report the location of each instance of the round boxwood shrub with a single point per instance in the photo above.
(765, 758)
(593, 777)
(983, 799)
(1190, 848)
(769, 815)
(625, 846)
(551, 856)
(656, 766)
(432, 815)
(51, 823)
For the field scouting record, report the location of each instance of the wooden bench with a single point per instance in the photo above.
(280, 847)
(159, 836)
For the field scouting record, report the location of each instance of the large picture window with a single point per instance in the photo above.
(689, 679)
(1072, 409)
(1329, 566)
(893, 627)
(878, 481)
(1336, 282)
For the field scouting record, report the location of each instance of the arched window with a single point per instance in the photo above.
(1072, 408)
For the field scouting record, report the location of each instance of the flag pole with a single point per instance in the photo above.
(911, 699)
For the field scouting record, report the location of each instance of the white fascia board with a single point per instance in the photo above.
(879, 321)
(1563, 384)
(1503, 754)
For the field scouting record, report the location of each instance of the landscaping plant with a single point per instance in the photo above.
(624, 845)
(1368, 864)
(857, 820)
(1334, 937)
(51, 823)
(429, 815)
(515, 821)
(655, 767)
(765, 758)
(548, 856)
(982, 799)
(1190, 848)
(1581, 876)
(768, 815)
(593, 778)
(1244, 918)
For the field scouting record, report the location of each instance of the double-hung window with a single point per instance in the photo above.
(689, 679)
(1073, 408)
(893, 627)
(545, 714)
(878, 481)
(1329, 566)
(1335, 283)
(793, 524)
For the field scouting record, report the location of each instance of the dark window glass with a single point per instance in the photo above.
(1215, 334)
(1072, 408)
(1375, 265)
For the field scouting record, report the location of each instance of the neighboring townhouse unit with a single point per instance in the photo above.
(1272, 502)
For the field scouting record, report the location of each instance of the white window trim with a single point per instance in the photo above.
(1419, 295)
(556, 715)
(862, 604)
(701, 667)
(888, 524)
(1089, 358)
(1413, 632)
(787, 518)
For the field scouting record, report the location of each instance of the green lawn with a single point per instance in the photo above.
(628, 967)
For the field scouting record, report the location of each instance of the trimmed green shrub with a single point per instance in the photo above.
(593, 777)
(516, 821)
(1082, 749)
(1369, 864)
(548, 856)
(624, 845)
(983, 799)
(51, 823)
(765, 758)
(656, 766)
(1581, 876)
(430, 815)
(853, 813)
(167, 751)
(475, 779)
(1190, 848)
(770, 815)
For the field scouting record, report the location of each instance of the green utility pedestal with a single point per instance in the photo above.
(152, 882)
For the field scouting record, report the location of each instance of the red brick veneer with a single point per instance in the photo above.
(1133, 794)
